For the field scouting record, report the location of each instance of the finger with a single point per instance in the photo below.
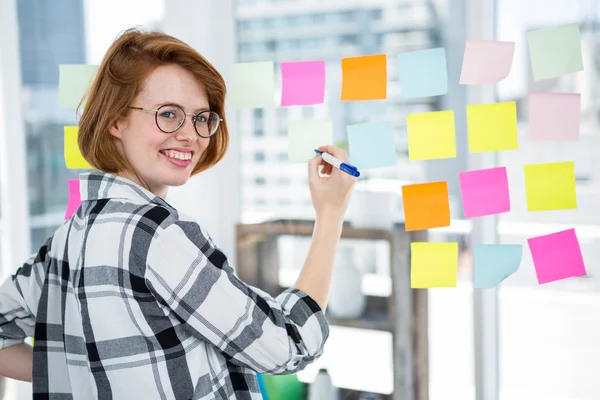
(313, 168)
(336, 152)
(327, 169)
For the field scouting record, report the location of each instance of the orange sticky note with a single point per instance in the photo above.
(426, 205)
(364, 77)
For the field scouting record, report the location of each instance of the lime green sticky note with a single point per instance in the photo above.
(492, 127)
(550, 186)
(433, 264)
(73, 82)
(73, 157)
(555, 51)
(307, 135)
(252, 85)
(431, 135)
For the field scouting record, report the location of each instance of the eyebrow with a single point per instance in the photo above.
(172, 103)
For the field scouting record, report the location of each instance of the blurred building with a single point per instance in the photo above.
(292, 30)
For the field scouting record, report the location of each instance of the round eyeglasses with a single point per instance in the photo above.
(169, 118)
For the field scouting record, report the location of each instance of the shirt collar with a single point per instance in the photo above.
(98, 185)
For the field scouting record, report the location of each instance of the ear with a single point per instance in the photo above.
(117, 127)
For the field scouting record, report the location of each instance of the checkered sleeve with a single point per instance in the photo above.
(193, 278)
(19, 297)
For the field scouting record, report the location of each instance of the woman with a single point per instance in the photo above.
(130, 299)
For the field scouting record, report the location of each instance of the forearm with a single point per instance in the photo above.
(315, 277)
(16, 362)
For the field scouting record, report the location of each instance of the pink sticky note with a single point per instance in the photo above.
(74, 198)
(486, 61)
(303, 83)
(557, 256)
(484, 192)
(554, 116)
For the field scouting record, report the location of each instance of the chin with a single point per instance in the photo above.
(176, 180)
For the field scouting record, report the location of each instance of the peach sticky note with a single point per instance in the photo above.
(431, 135)
(433, 264)
(73, 157)
(484, 192)
(554, 116)
(557, 256)
(307, 135)
(426, 205)
(550, 186)
(74, 198)
(492, 127)
(302, 83)
(486, 61)
(364, 77)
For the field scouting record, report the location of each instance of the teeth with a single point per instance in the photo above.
(178, 155)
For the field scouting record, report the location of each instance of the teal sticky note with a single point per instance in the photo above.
(73, 81)
(371, 145)
(423, 73)
(555, 51)
(494, 263)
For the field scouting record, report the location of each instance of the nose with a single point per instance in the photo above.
(187, 133)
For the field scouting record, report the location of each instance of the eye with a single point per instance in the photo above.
(167, 114)
(201, 118)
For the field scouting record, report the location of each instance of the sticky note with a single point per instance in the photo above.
(556, 256)
(486, 62)
(433, 264)
(73, 82)
(371, 145)
(423, 73)
(252, 85)
(307, 135)
(550, 186)
(364, 77)
(431, 135)
(492, 127)
(73, 157)
(493, 263)
(484, 192)
(426, 205)
(554, 116)
(74, 198)
(302, 83)
(555, 51)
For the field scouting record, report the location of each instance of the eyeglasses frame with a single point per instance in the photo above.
(193, 116)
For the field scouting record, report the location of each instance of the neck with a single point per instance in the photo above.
(132, 176)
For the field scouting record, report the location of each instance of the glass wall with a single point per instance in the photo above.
(549, 345)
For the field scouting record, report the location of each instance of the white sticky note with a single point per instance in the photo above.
(252, 85)
(307, 135)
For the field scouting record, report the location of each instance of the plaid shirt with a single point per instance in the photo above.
(130, 299)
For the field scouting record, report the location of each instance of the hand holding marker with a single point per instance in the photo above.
(342, 166)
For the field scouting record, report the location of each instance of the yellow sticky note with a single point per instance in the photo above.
(73, 157)
(550, 186)
(307, 135)
(492, 127)
(433, 264)
(73, 82)
(431, 135)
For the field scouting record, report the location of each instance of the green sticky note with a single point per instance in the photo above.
(555, 51)
(252, 85)
(73, 81)
(307, 135)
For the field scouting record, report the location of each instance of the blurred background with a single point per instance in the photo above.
(546, 340)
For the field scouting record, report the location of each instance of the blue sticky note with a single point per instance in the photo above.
(423, 73)
(371, 145)
(494, 263)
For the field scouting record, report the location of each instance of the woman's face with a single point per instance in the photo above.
(159, 159)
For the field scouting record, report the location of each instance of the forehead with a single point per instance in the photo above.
(172, 83)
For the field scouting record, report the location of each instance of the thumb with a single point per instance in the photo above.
(313, 168)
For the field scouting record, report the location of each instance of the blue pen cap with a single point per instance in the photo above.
(349, 169)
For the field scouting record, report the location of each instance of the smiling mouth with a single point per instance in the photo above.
(178, 155)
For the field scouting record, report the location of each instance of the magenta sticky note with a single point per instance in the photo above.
(484, 192)
(74, 198)
(554, 116)
(556, 256)
(303, 83)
